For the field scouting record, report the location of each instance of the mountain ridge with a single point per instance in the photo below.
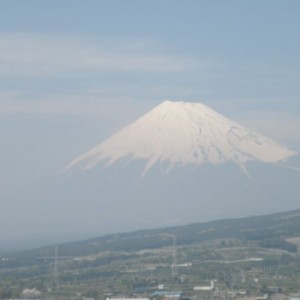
(276, 226)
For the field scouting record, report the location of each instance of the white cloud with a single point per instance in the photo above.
(113, 109)
(33, 55)
(54, 55)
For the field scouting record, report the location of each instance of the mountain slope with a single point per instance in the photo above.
(210, 185)
(180, 133)
(272, 227)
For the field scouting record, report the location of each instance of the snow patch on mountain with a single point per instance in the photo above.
(182, 133)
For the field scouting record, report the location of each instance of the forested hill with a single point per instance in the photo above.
(264, 231)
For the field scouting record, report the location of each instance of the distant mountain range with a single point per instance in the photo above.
(180, 163)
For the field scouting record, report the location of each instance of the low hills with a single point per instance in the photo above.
(254, 254)
(269, 230)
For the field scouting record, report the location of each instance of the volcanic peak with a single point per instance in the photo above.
(182, 133)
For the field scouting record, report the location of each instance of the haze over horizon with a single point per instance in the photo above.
(180, 163)
(73, 73)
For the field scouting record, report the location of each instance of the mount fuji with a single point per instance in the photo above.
(180, 163)
(180, 133)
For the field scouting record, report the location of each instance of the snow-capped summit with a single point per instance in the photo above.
(182, 133)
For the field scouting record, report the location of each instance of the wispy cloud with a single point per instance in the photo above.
(115, 110)
(55, 55)
(87, 60)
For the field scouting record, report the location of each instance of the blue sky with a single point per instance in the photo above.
(73, 72)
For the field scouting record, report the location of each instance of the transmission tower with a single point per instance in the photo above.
(55, 279)
(174, 262)
(55, 272)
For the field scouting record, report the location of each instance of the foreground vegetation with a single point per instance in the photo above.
(256, 254)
